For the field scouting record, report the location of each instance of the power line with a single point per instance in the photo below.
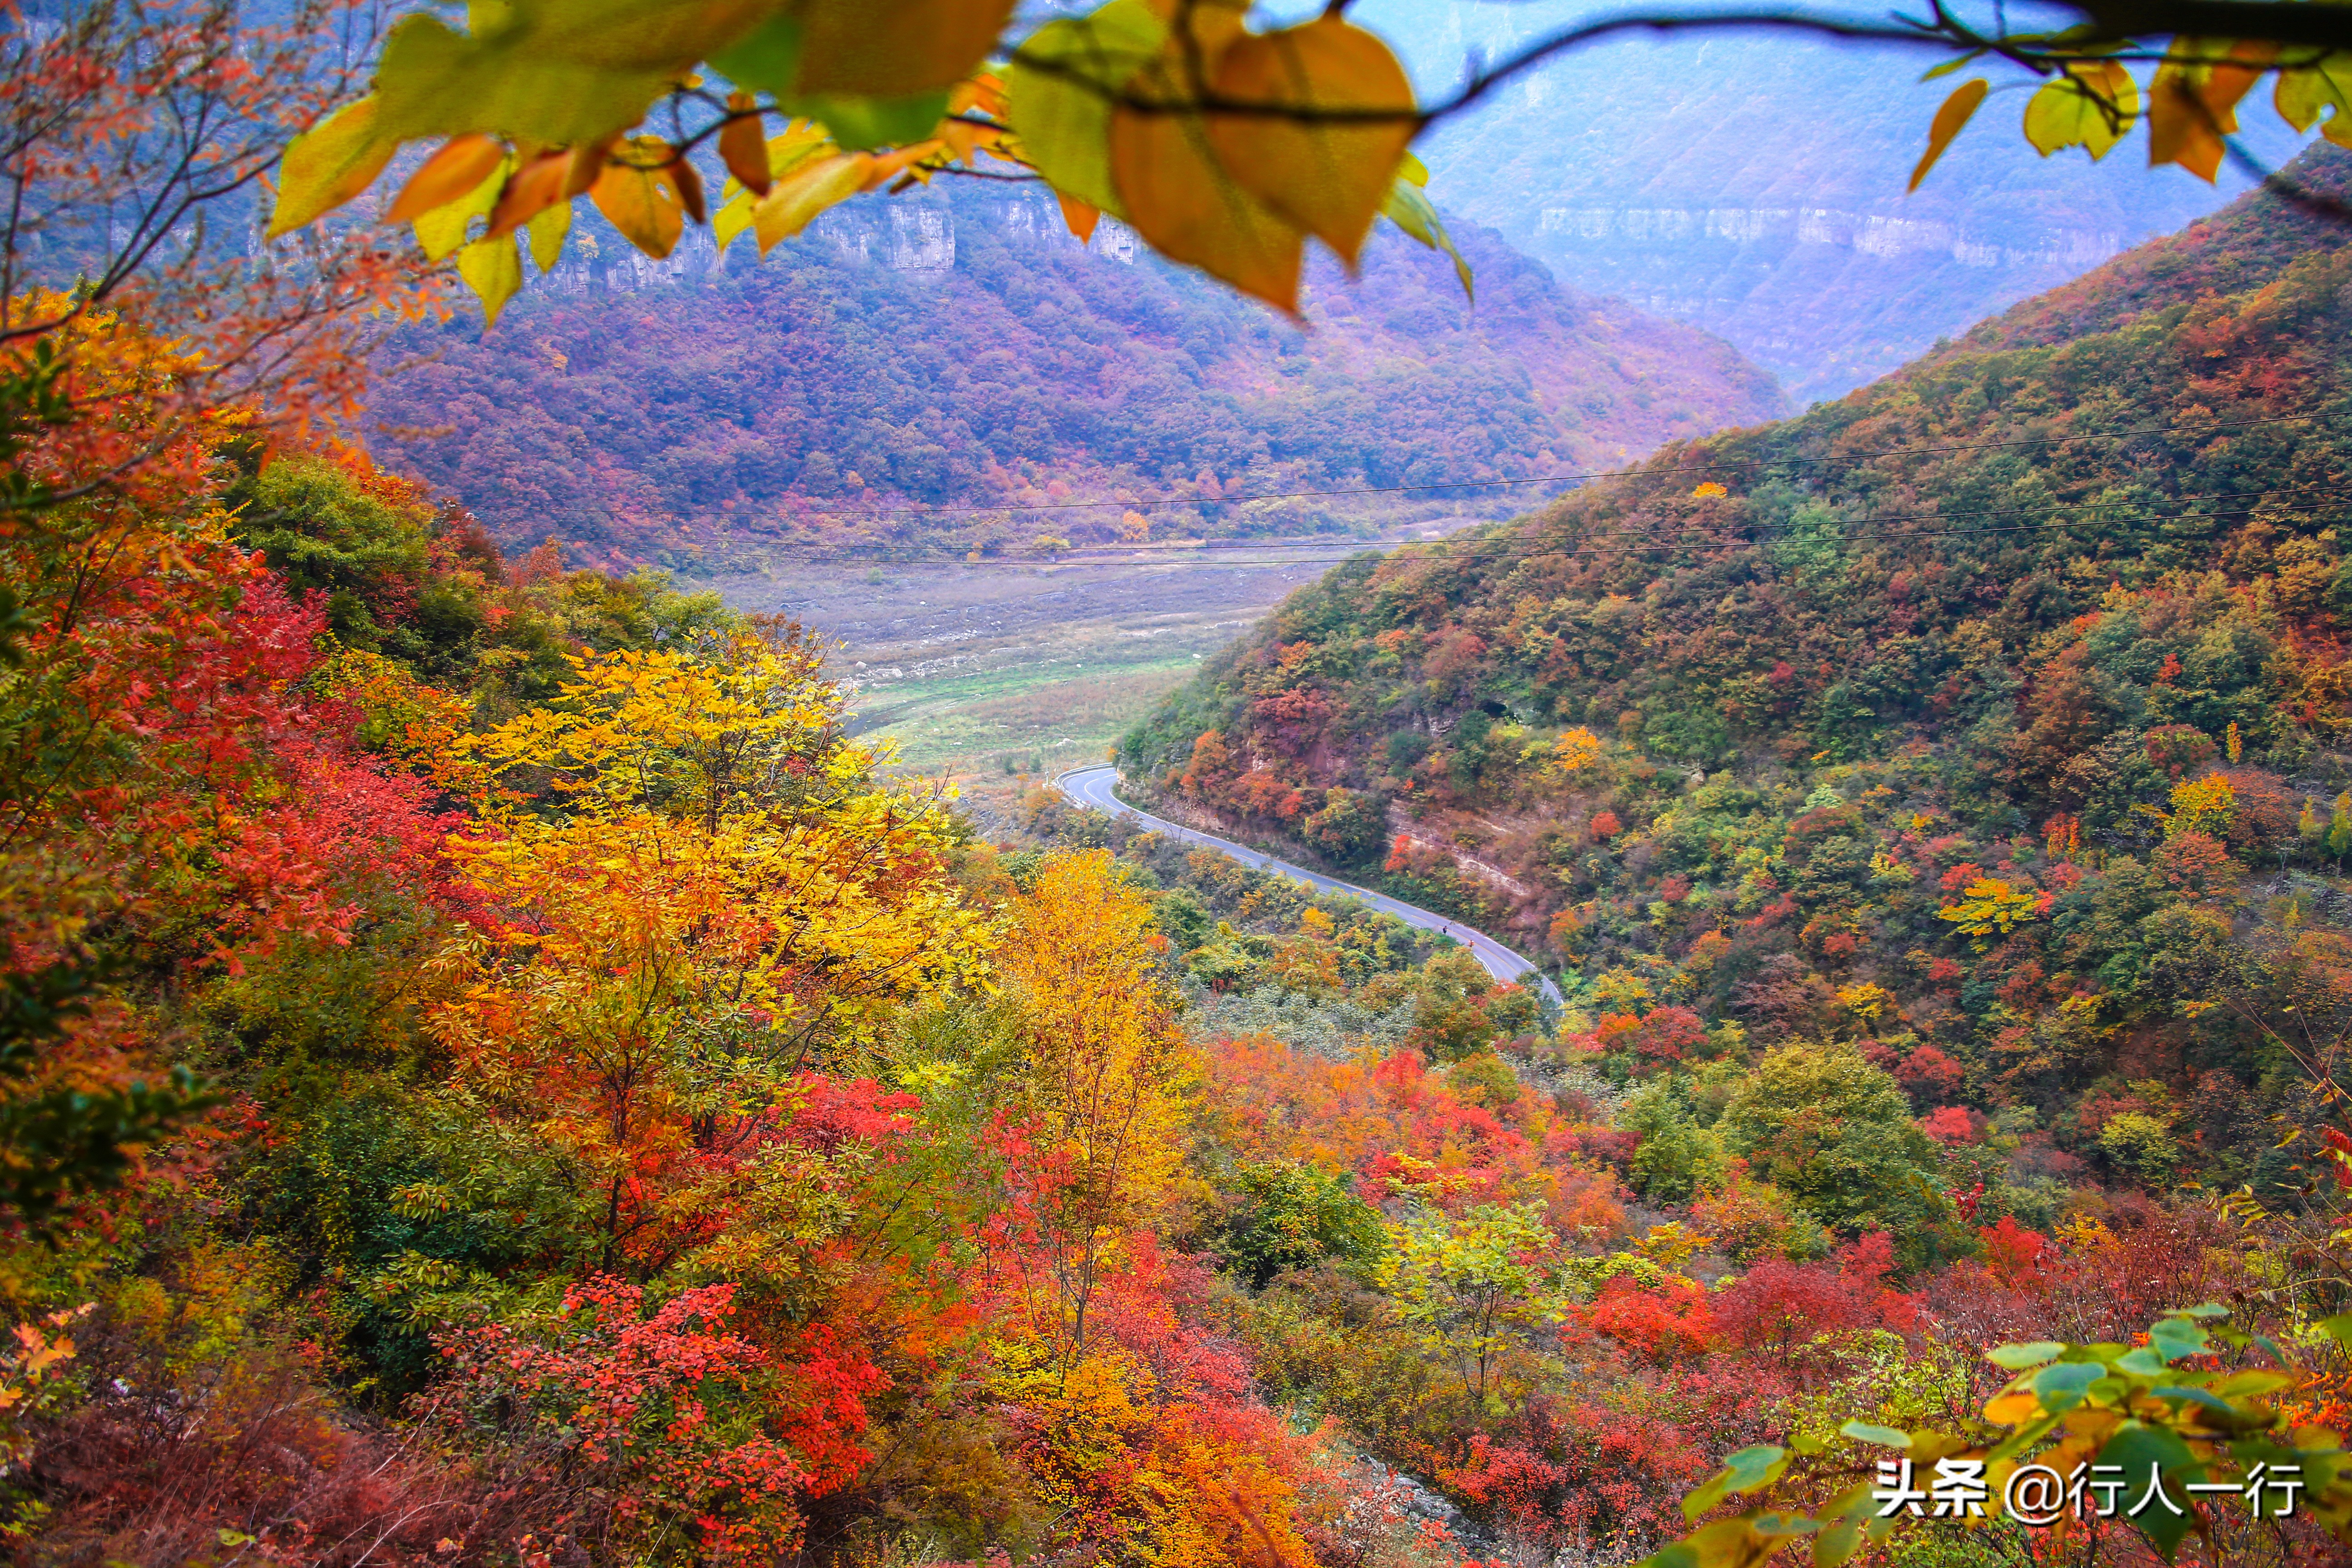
(1724, 535)
(1645, 470)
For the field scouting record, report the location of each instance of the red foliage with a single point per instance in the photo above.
(1605, 827)
(2014, 1254)
(1673, 1322)
(1929, 1075)
(1953, 1124)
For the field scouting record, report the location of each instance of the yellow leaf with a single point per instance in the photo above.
(894, 48)
(638, 194)
(460, 165)
(2091, 105)
(1187, 207)
(743, 145)
(547, 228)
(1948, 121)
(1709, 489)
(733, 216)
(2304, 93)
(797, 200)
(492, 268)
(1328, 179)
(443, 229)
(328, 164)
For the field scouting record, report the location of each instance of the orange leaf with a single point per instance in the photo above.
(462, 163)
(1948, 121)
(743, 147)
(2193, 101)
(642, 203)
(1186, 206)
(1081, 218)
(1328, 179)
(689, 189)
(531, 190)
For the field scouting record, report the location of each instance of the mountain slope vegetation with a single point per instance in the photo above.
(981, 358)
(1991, 718)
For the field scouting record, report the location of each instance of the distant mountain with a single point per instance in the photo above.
(1997, 708)
(1753, 184)
(958, 349)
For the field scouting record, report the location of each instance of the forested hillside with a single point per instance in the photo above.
(1992, 719)
(961, 351)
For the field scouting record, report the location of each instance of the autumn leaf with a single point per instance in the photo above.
(797, 200)
(743, 145)
(1184, 202)
(2091, 105)
(442, 230)
(895, 49)
(330, 164)
(1328, 179)
(492, 268)
(2306, 92)
(639, 195)
(458, 167)
(1949, 120)
(2194, 100)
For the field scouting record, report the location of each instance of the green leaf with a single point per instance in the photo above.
(2174, 1338)
(2139, 1448)
(2338, 1328)
(1884, 1437)
(2145, 1361)
(2204, 1310)
(2017, 1358)
(1933, 72)
(863, 123)
(2062, 1387)
(1064, 124)
(1412, 210)
(1837, 1544)
(492, 268)
(328, 164)
(1744, 1471)
(767, 59)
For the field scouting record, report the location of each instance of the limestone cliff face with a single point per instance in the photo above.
(1753, 185)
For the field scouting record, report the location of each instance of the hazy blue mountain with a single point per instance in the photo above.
(1753, 184)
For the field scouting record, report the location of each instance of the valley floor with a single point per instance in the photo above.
(994, 674)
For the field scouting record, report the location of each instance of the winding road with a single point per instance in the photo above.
(1094, 788)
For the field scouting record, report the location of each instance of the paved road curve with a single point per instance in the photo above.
(1092, 787)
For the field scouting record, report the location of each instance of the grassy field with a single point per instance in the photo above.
(993, 675)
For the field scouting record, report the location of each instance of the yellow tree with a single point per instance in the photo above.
(692, 883)
(1104, 1064)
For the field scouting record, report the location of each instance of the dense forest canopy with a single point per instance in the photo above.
(493, 1072)
(884, 388)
